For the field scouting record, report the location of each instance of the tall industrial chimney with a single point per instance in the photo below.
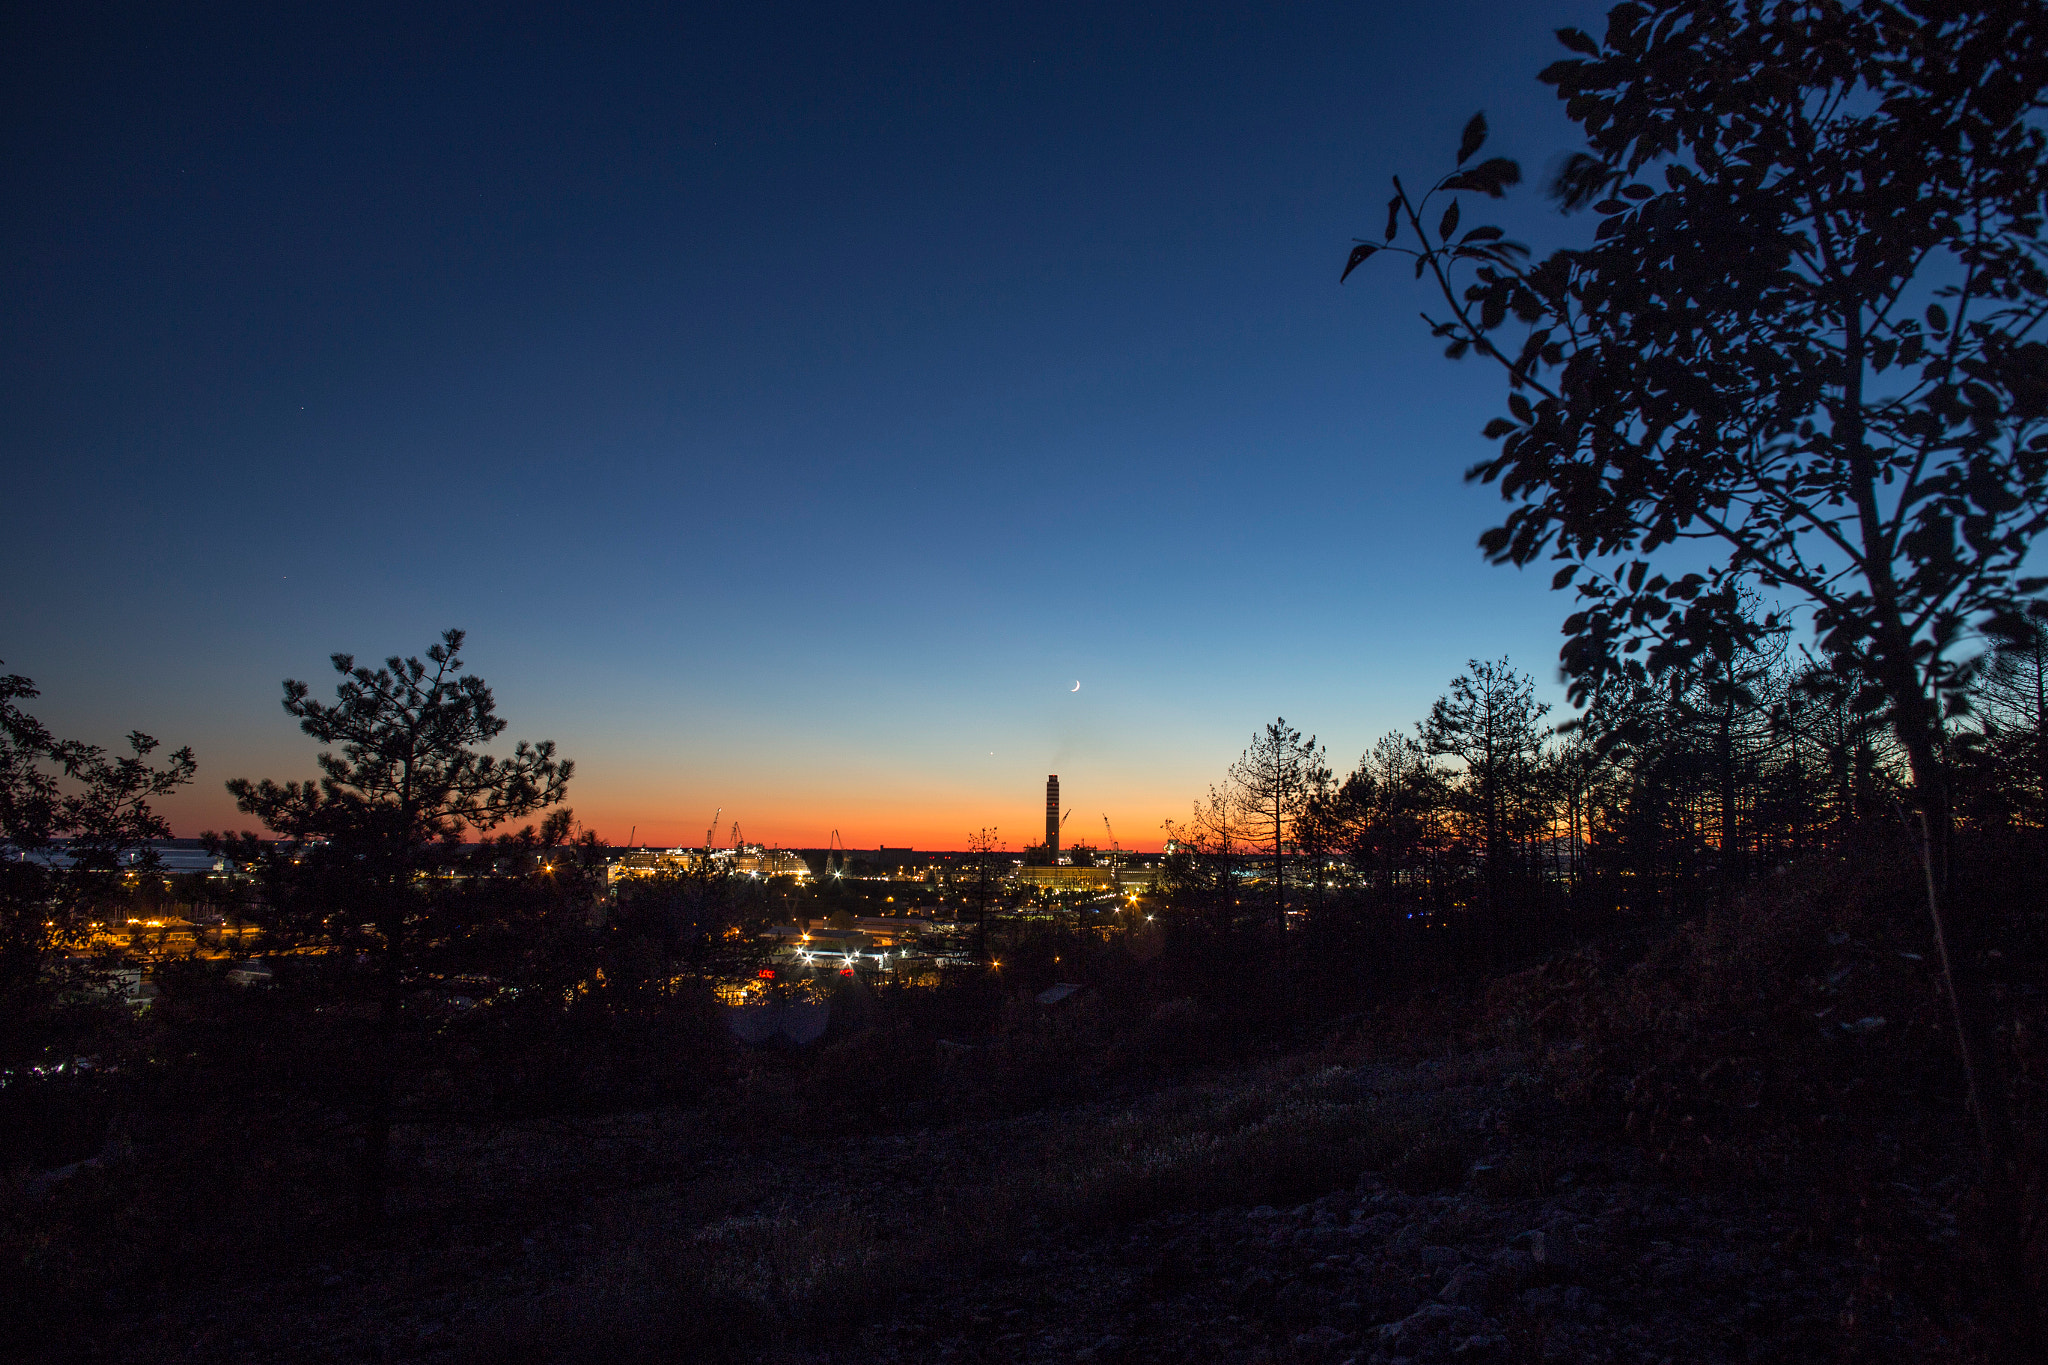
(1052, 817)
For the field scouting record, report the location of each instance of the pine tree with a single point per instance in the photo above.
(409, 777)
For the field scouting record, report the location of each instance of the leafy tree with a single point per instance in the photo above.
(1271, 783)
(28, 789)
(1801, 352)
(408, 778)
(55, 790)
(50, 790)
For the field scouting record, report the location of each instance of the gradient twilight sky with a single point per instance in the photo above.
(791, 401)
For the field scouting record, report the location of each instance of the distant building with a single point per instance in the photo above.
(1066, 878)
(173, 856)
(749, 860)
(770, 862)
(1088, 878)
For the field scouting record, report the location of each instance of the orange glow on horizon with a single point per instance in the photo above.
(930, 828)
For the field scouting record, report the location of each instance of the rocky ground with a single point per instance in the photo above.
(1607, 1264)
(1489, 1225)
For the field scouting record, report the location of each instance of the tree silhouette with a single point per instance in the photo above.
(1387, 817)
(52, 789)
(1489, 721)
(1800, 354)
(2012, 698)
(408, 777)
(1271, 784)
(983, 882)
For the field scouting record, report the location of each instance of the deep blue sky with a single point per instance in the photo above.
(792, 402)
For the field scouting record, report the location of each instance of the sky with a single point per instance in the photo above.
(792, 402)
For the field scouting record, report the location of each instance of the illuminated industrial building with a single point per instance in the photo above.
(1052, 818)
(748, 860)
(1102, 879)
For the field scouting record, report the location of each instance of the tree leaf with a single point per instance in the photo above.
(1578, 41)
(1474, 137)
(1393, 216)
(1359, 255)
(1579, 181)
(1490, 177)
(1449, 223)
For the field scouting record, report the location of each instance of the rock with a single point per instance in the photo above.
(1480, 1345)
(1378, 1225)
(1430, 1320)
(1442, 1258)
(1511, 1267)
(1469, 1285)
(1322, 1338)
(1678, 1270)
(1407, 1241)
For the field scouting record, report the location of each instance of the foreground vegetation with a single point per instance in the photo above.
(1779, 1067)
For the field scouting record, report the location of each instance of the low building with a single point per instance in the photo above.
(1099, 879)
(770, 862)
(750, 860)
(1066, 878)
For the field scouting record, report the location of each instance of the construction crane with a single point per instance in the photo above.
(835, 846)
(712, 832)
(735, 836)
(1113, 852)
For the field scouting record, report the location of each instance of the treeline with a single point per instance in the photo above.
(1659, 798)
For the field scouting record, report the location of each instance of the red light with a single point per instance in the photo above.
(767, 973)
(846, 971)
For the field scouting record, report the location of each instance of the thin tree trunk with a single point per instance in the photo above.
(373, 1177)
(1969, 1000)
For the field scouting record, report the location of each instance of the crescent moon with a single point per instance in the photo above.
(1077, 686)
